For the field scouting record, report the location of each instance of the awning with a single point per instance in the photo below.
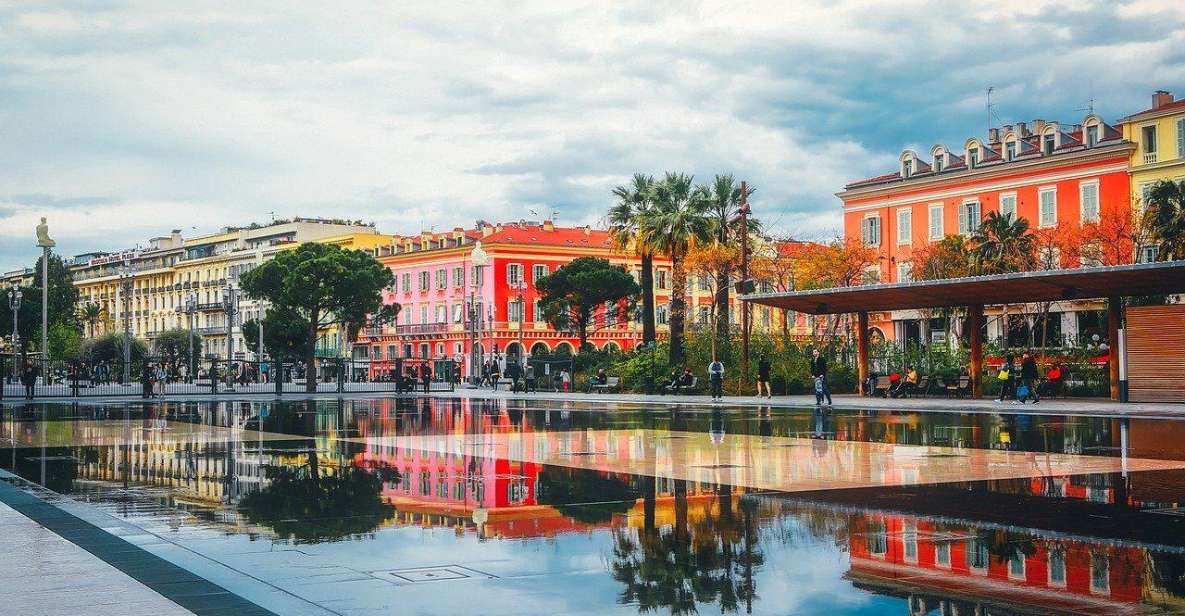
(1019, 288)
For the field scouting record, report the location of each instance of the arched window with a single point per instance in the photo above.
(974, 150)
(1011, 147)
(1050, 139)
(908, 163)
(940, 159)
(1092, 131)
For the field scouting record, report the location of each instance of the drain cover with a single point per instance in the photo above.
(720, 466)
(429, 574)
(585, 453)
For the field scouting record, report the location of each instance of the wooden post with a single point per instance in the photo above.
(1114, 317)
(862, 351)
(975, 323)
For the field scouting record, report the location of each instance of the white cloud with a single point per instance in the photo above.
(436, 114)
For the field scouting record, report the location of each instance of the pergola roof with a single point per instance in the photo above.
(1043, 286)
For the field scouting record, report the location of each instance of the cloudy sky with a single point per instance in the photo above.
(121, 120)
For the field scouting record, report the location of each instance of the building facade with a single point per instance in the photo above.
(1159, 137)
(178, 282)
(1057, 176)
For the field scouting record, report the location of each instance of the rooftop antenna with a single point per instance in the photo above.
(533, 212)
(273, 215)
(990, 111)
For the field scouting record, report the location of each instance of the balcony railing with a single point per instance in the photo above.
(1149, 157)
(422, 328)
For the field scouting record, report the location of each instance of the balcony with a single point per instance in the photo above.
(1149, 158)
(421, 329)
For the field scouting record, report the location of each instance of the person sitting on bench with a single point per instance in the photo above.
(908, 385)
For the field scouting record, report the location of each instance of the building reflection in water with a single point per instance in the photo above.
(1042, 545)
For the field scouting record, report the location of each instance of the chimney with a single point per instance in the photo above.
(1161, 98)
(587, 230)
(176, 237)
(1022, 130)
(993, 136)
(548, 225)
(1038, 124)
(486, 230)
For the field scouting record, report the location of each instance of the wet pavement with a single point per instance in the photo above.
(506, 506)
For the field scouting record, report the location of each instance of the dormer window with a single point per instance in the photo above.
(906, 168)
(939, 154)
(1048, 143)
(938, 163)
(972, 157)
(1010, 150)
(1092, 135)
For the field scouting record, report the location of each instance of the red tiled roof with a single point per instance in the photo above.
(1173, 105)
(536, 235)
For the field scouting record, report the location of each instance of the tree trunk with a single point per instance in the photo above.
(647, 281)
(310, 357)
(786, 324)
(722, 307)
(678, 308)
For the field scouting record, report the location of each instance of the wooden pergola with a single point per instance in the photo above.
(974, 292)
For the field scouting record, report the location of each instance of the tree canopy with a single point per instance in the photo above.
(316, 285)
(1165, 215)
(172, 347)
(570, 296)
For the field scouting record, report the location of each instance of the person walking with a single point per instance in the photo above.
(146, 381)
(763, 368)
(716, 378)
(495, 374)
(566, 380)
(425, 376)
(529, 378)
(29, 380)
(1028, 379)
(819, 374)
(1007, 378)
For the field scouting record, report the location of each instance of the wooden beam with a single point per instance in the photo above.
(975, 323)
(862, 351)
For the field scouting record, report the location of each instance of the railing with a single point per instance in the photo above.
(1149, 157)
(422, 328)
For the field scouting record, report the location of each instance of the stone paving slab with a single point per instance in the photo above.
(46, 575)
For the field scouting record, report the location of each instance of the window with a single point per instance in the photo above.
(661, 279)
(969, 217)
(1147, 254)
(904, 226)
(1092, 135)
(936, 221)
(1010, 150)
(1016, 565)
(1057, 567)
(877, 539)
(872, 231)
(1047, 197)
(906, 168)
(939, 159)
(458, 313)
(977, 554)
(458, 276)
(610, 314)
(538, 271)
(423, 280)
(909, 540)
(441, 278)
(1149, 139)
(441, 313)
(514, 274)
(903, 272)
(537, 311)
(942, 554)
(1088, 197)
(514, 311)
(1008, 205)
(475, 276)
(1100, 573)
(1047, 143)
(972, 157)
(660, 314)
(407, 283)
(704, 315)
(424, 314)
(1181, 138)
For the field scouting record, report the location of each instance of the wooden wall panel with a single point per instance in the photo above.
(1156, 353)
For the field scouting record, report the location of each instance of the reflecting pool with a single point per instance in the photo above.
(454, 506)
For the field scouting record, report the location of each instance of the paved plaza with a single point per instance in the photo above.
(541, 505)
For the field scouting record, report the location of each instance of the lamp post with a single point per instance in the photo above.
(14, 304)
(522, 319)
(478, 258)
(230, 305)
(190, 309)
(744, 286)
(125, 288)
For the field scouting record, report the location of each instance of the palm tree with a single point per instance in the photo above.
(1165, 212)
(624, 221)
(1000, 245)
(677, 220)
(91, 314)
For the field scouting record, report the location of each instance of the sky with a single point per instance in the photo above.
(122, 120)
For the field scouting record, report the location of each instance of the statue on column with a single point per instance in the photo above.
(43, 239)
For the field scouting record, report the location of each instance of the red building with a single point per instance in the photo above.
(1057, 176)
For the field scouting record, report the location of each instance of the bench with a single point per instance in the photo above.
(882, 386)
(962, 388)
(678, 388)
(612, 383)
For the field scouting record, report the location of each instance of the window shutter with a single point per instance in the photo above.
(1181, 137)
(963, 218)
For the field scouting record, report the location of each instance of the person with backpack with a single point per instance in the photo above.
(1028, 380)
(716, 378)
(819, 374)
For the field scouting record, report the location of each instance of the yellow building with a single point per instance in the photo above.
(1159, 135)
(171, 271)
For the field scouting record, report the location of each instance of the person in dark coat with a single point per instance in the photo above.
(819, 374)
(1028, 378)
(29, 379)
(426, 377)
